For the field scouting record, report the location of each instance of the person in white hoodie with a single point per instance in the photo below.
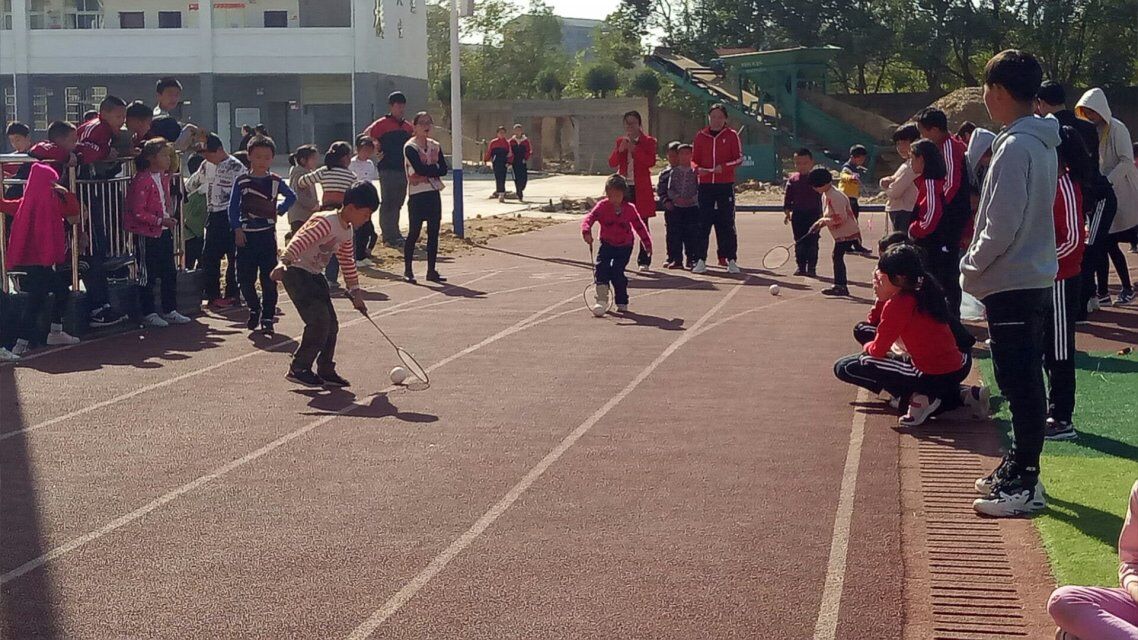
(1010, 266)
(901, 187)
(1116, 161)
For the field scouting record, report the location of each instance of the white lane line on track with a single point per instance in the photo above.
(393, 310)
(224, 315)
(123, 520)
(408, 591)
(826, 627)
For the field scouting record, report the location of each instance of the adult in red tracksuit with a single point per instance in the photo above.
(717, 152)
(1066, 303)
(392, 132)
(633, 157)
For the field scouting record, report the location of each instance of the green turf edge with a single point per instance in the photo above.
(1088, 481)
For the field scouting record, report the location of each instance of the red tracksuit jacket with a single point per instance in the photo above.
(722, 149)
(1070, 233)
(929, 209)
(643, 159)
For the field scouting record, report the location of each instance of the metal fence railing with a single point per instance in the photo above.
(102, 203)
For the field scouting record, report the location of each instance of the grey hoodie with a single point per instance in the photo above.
(1013, 247)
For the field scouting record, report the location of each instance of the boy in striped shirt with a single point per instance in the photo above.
(301, 270)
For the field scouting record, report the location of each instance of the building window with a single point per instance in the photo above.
(85, 14)
(276, 19)
(169, 19)
(132, 20)
(39, 109)
(6, 14)
(76, 102)
(10, 102)
(38, 14)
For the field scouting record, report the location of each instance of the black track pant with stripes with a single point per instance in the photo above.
(1099, 221)
(1059, 357)
(900, 378)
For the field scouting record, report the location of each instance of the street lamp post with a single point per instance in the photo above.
(456, 118)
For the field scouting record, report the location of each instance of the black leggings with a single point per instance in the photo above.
(499, 176)
(255, 261)
(901, 378)
(1114, 250)
(38, 284)
(521, 177)
(423, 207)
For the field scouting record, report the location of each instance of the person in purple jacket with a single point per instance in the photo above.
(803, 207)
(619, 220)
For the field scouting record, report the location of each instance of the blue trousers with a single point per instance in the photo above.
(611, 261)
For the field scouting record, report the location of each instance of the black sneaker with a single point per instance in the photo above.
(1006, 468)
(267, 327)
(835, 291)
(409, 278)
(105, 316)
(799, 272)
(306, 378)
(333, 379)
(254, 320)
(434, 276)
(810, 273)
(1013, 497)
(1060, 430)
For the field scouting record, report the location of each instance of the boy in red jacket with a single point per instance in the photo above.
(618, 219)
(717, 152)
(633, 157)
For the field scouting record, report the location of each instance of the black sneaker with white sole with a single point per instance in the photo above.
(1019, 496)
(1006, 468)
(333, 379)
(835, 291)
(1060, 430)
(254, 320)
(105, 316)
(306, 378)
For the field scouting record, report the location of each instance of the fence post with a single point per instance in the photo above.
(3, 240)
(75, 232)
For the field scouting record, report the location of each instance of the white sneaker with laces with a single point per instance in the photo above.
(732, 267)
(978, 400)
(60, 338)
(921, 408)
(1093, 305)
(1009, 501)
(175, 318)
(8, 356)
(643, 268)
(366, 262)
(598, 310)
(154, 320)
(700, 267)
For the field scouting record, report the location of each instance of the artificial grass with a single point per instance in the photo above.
(1088, 480)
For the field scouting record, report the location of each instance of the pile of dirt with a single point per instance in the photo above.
(758, 186)
(965, 104)
(478, 231)
(569, 205)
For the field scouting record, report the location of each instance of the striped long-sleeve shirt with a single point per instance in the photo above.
(315, 242)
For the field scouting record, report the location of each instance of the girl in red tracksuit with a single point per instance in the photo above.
(915, 318)
(633, 157)
(717, 152)
(498, 155)
(619, 219)
(1070, 242)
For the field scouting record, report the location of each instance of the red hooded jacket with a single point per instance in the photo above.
(38, 236)
(643, 159)
(722, 149)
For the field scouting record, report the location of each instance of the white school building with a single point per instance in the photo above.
(310, 70)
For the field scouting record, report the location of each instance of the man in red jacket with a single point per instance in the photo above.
(391, 132)
(633, 157)
(718, 151)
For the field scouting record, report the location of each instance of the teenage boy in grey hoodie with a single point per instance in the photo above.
(1011, 266)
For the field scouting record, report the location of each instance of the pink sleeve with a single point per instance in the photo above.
(590, 218)
(1128, 543)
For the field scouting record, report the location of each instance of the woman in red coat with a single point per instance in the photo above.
(633, 157)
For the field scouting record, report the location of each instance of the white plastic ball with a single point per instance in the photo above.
(398, 375)
(775, 289)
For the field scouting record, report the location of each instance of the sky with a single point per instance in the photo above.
(595, 9)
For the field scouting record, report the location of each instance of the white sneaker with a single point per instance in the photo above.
(598, 309)
(1011, 500)
(154, 320)
(60, 338)
(700, 267)
(978, 400)
(21, 348)
(366, 262)
(1093, 305)
(732, 267)
(175, 318)
(622, 308)
(921, 408)
(643, 268)
(8, 356)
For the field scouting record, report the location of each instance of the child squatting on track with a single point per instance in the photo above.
(914, 354)
(618, 219)
(301, 270)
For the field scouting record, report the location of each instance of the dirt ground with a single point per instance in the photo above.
(479, 232)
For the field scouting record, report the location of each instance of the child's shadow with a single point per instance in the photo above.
(343, 402)
(642, 320)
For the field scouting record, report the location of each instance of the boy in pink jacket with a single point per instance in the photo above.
(618, 219)
(1099, 613)
(148, 217)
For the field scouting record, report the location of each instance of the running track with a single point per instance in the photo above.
(692, 470)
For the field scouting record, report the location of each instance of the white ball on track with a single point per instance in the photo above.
(775, 289)
(398, 375)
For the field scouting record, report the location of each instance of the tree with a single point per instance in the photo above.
(601, 79)
(549, 84)
(645, 83)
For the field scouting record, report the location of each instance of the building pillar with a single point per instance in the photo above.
(21, 84)
(208, 113)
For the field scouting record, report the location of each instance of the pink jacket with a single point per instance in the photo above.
(1128, 543)
(39, 237)
(617, 227)
(144, 212)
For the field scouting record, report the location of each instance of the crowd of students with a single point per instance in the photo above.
(229, 206)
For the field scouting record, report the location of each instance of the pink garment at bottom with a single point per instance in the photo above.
(1095, 613)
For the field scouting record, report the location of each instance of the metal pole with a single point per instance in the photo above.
(456, 119)
(3, 234)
